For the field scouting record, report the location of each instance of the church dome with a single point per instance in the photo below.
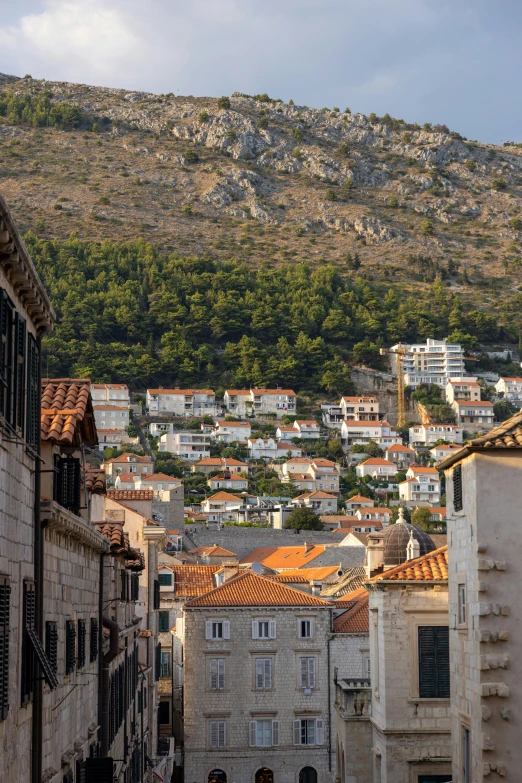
(396, 538)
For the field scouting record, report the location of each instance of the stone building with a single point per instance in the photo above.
(26, 314)
(484, 492)
(256, 684)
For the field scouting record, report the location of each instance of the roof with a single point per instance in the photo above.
(338, 518)
(284, 557)
(473, 403)
(379, 510)
(419, 469)
(307, 422)
(362, 537)
(368, 424)
(432, 567)
(180, 391)
(362, 398)
(273, 391)
(220, 461)
(321, 462)
(507, 435)
(128, 477)
(515, 380)
(359, 499)
(378, 461)
(222, 422)
(463, 383)
(439, 539)
(318, 495)
(252, 590)
(224, 496)
(212, 551)
(155, 477)
(130, 494)
(312, 574)
(352, 580)
(119, 541)
(287, 429)
(400, 447)
(446, 447)
(67, 408)
(192, 580)
(356, 619)
(283, 445)
(416, 479)
(231, 477)
(95, 480)
(125, 458)
(240, 392)
(109, 407)
(437, 509)
(109, 386)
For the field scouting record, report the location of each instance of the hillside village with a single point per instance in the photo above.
(246, 587)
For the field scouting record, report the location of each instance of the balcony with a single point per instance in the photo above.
(353, 698)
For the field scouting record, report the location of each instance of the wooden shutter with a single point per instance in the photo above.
(158, 662)
(51, 644)
(135, 587)
(70, 647)
(68, 483)
(208, 629)
(434, 679)
(319, 731)
(214, 733)
(226, 629)
(6, 357)
(5, 592)
(303, 668)
(32, 428)
(81, 643)
(20, 353)
(255, 629)
(457, 488)
(94, 639)
(29, 607)
(311, 672)
(156, 594)
(253, 733)
(275, 732)
(97, 770)
(260, 673)
(267, 673)
(123, 575)
(272, 629)
(222, 733)
(213, 664)
(297, 732)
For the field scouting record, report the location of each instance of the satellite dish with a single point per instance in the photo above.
(256, 568)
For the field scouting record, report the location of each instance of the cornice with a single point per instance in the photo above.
(155, 534)
(64, 521)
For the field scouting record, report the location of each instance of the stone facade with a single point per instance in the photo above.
(239, 703)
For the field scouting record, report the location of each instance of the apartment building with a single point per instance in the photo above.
(227, 480)
(428, 434)
(510, 389)
(376, 467)
(186, 445)
(435, 361)
(462, 389)
(111, 417)
(255, 654)
(401, 455)
(232, 431)
(480, 415)
(318, 501)
(181, 402)
(361, 432)
(258, 402)
(420, 490)
(110, 394)
(221, 506)
(311, 474)
(483, 483)
(358, 408)
(215, 464)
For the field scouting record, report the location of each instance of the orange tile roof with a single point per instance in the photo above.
(378, 461)
(119, 541)
(181, 391)
(273, 391)
(338, 518)
(517, 380)
(66, 408)
(212, 551)
(252, 590)
(95, 481)
(356, 619)
(312, 574)
(359, 499)
(232, 477)
(130, 494)
(473, 404)
(236, 392)
(125, 458)
(155, 477)
(380, 510)
(109, 407)
(362, 398)
(351, 598)
(283, 445)
(307, 421)
(369, 424)
(128, 477)
(222, 422)
(400, 447)
(220, 461)
(432, 567)
(318, 495)
(284, 557)
(224, 496)
(290, 580)
(192, 580)
(323, 463)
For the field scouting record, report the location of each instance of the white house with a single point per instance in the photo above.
(300, 429)
(462, 389)
(420, 491)
(214, 464)
(125, 480)
(221, 506)
(376, 467)
(311, 474)
(110, 394)
(401, 455)
(232, 431)
(381, 513)
(475, 413)
(364, 431)
(157, 482)
(254, 402)
(262, 447)
(128, 463)
(181, 402)
(318, 501)
(227, 480)
(362, 408)
(357, 501)
(434, 361)
(510, 388)
(186, 444)
(428, 434)
(111, 417)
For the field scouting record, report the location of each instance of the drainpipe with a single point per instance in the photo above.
(36, 744)
(114, 648)
(100, 647)
(329, 697)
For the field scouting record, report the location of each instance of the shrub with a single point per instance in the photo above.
(297, 153)
(223, 102)
(191, 156)
(58, 206)
(498, 184)
(262, 122)
(347, 110)
(231, 135)
(331, 195)
(291, 103)
(373, 118)
(392, 201)
(427, 126)
(203, 116)
(470, 164)
(427, 227)
(342, 149)
(406, 137)
(516, 223)
(299, 231)
(347, 186)
(187, 210)
(103, 200)
(297, 134)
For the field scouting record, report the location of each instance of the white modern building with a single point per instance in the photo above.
(432, 362)
(428, 434)
(232, 431)
(364, 431)
(258, 402)
(463, 389)
(510, 389)
(181, 402)
(186, 444)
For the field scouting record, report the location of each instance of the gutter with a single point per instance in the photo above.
(109, 656)
(37, 722)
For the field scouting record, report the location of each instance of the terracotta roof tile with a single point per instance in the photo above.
(128, 477)
(378, 461)
(125, 458)
(359, 499)
(224, 496)
(356, 619)
(284, 557)
(252, 590)
(212, 551)
(119, 541)
(312, 574)
(155, 477)
(95, 481)
(273, 391)
(432, 567)
(130, 494)
(221, 461)
(192, 580)
(181, 391)
(318, 495)
(348, 586)
(66, 402)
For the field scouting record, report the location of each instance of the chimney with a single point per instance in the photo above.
(316, 586)
(308, 547)
(413, 548)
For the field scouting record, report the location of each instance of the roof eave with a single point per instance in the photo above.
(466, 451)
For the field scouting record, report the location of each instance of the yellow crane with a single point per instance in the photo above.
(400, 353)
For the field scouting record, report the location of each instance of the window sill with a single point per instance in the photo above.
(419, 699)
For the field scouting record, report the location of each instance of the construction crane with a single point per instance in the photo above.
(400, 353)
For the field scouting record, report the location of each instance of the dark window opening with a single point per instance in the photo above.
(434, 673)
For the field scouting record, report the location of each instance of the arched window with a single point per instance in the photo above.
(308, 775)
(264, 775)
(217, 776)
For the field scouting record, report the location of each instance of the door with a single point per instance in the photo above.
(434, 779)
(217, 776)
(308, 775)
(264, 775)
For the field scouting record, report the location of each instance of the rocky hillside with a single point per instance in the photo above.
(259, 180)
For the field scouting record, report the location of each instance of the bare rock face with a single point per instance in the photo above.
(373, 230)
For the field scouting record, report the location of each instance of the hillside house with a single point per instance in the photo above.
(259, 448)
(420, 491)
(428, 434)
(479, 414)
(463, 389)
(214, 464)
(380, 513)
(357, 501)
(401, 455)
(227, 480)
(191, 403)
(259, 402)
(510, 389)
(443, 450)
(376, 467)
(128, 463)
(432, 362)
(186, 445)
(232, 431)
(221, 506)
(362, 432)
(318, 501)
(157, 482)
(311, 474)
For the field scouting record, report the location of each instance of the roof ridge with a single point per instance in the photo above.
(301, 598)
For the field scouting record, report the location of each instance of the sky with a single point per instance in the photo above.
(439, 61)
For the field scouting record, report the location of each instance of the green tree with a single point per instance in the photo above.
(303, 518)
(421, 517)
(504, 409)
(223, 102)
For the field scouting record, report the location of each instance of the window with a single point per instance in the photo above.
(163, 622)
(51, 644)
(81, 643)
(68, 492)
(309, 731)
(6, 357)
(135, 587)
(462, 604)
(263, 668)
(434, 678)
(307, 667)
(165, 664)
(217, 629)
(217, 733)
(457, 488)
(264, 733)
(33, 394)
(263, 629)
(94, 640)
(27, 648)
(465, 750)
(306, 629)
(165, 579)
(5, 593)
(70, 647)
(164, 712)
(217, 669)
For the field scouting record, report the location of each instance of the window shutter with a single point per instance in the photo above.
(213, 674)
(81, 772)
(156, 594)
(135, 587)
(51, 644)
(272, 629)
(32, 428)
(297, 732)
(213, 733)
(81, 643)
(6, 357)
(27, 649)
(94, 639)
(311, 672)
(255, 629)
(5, 592)
(304, 672)
(443, 663)
(434, 662)
(260, 673)
(158, 662)
(70, 647)
(226, 629)
(253, 733)
(221, 673)
(268, 673)
(19, 371)
(99, 770)
(319, 731)
(68, 483)
(275, 732)
(222, 733)
(208, 629)
(457, 488)
(123, 575)
(311, 628)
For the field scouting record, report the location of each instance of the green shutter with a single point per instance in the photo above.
(434, 680)
(5, 592)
